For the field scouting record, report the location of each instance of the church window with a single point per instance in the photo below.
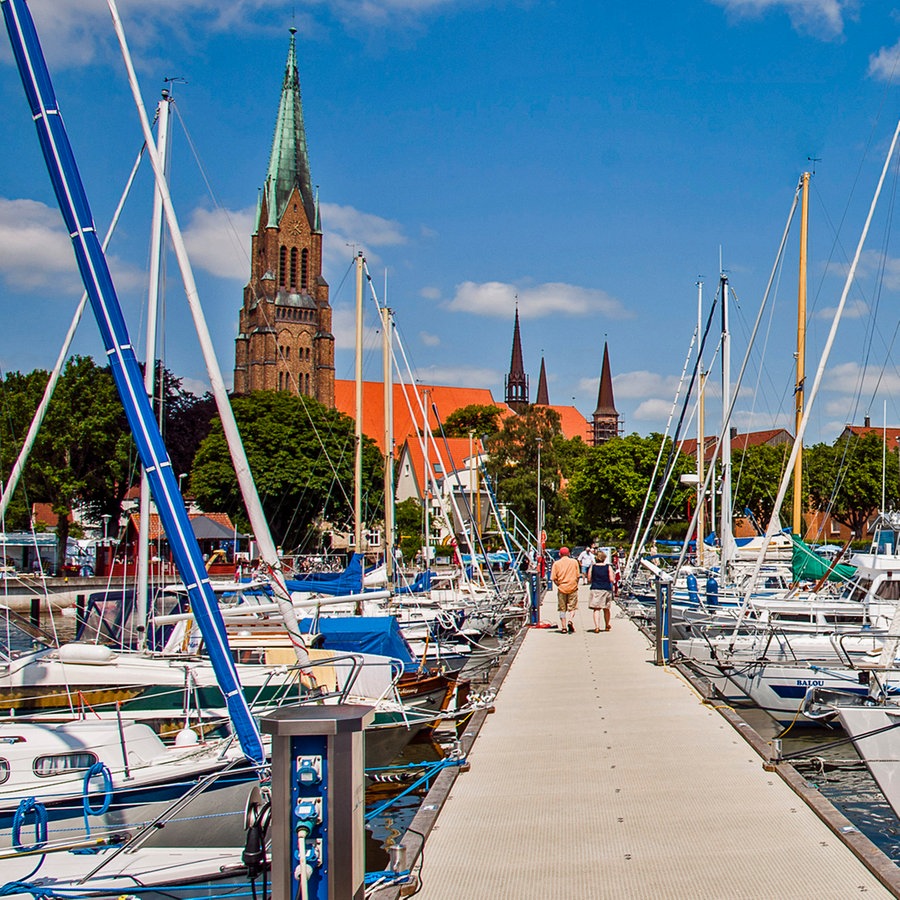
(307, 383)
(280, 380)
(282, 265)
(304, 269)
(287, 352)
(293, 268)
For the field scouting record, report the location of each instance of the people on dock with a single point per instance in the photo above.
(586, 560)
(602, 588)
(565, 575)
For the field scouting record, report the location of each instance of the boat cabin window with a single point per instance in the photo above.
(57, 763)
(19, 637)
(4, 770)
(888, 590)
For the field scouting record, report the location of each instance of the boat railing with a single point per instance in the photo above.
(136, 840)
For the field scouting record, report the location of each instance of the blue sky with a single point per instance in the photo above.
(590, 158)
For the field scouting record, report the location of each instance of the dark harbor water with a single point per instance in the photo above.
(832, 766)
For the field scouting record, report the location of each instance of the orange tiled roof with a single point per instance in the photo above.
(157, 531)
(740, 441)
(892, 434)
(445, 398)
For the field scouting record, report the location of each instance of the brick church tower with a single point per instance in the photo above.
(517, 381)
(606, 418)
(285, 341)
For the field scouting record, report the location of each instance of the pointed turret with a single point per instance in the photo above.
(517, 380)
(284, 340)
(605, 418)
(289, 161)
(543, 395)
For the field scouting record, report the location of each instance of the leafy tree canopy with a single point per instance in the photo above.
(302, 458)
(846, 478)
(474, 419)
(611, 482)
(756, 474)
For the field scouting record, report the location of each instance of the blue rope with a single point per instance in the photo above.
(98, 769)
(26, 806)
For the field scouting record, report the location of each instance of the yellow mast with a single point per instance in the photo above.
(796, 521)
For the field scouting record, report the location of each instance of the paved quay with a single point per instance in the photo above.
(603, 775)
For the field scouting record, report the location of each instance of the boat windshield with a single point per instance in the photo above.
(18, 637)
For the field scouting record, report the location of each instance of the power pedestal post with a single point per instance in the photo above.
(318, 801)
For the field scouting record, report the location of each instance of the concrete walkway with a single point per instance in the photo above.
(603, 775)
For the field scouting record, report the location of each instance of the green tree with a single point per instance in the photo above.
(408, 523)
(611, 482)
(513, 467)
(84, 452)
(186, 420)
(845, 479)
(301, 455)
(756, 474)
(473, 419)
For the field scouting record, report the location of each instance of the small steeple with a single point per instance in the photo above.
(517, 380)
(289, 161)
(605, 418)
(543, 395)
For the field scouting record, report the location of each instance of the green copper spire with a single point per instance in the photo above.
(289, 162)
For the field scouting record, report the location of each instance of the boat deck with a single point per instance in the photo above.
(601, 774)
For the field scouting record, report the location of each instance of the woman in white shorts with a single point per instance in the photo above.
(601, 580)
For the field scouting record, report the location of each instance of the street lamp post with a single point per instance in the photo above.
(106, 517)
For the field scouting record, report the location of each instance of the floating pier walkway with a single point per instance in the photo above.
(601, 775)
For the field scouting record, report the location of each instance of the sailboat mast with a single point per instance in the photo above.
(142, 598)
(726, 537)
(797, 508)
(386, 342)
(357, 467)
(701, 438)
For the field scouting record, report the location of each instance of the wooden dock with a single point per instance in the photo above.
(601, 774)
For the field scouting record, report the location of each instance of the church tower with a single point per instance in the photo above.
(605, 419)
(517, 381)
(285, 341)
(543, 395)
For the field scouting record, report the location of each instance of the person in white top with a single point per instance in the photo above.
(586, 560)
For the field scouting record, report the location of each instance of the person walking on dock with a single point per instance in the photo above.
(586, 560)
(565, 575)
(602, 588)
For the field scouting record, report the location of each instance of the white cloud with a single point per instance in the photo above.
(496, 298)
(349, 230)
(822, 18)
(343, 327)
(852, 380)
(78, 34)
(652, 410)
(36, 252)
(428, 339)
(883, 65)
(853, 309)
(430, 293)
(459, 376)
(632, 385)
(218, 241)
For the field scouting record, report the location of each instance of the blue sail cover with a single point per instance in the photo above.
(76, 213)
(363, 634)
(335, 584)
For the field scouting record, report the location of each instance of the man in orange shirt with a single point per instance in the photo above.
(565, 575)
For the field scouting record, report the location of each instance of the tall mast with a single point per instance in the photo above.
(357, 468)
(797, 509)
(142, 598)
(701, 438)
(727, 536)
(427, 485)
(387, 343)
